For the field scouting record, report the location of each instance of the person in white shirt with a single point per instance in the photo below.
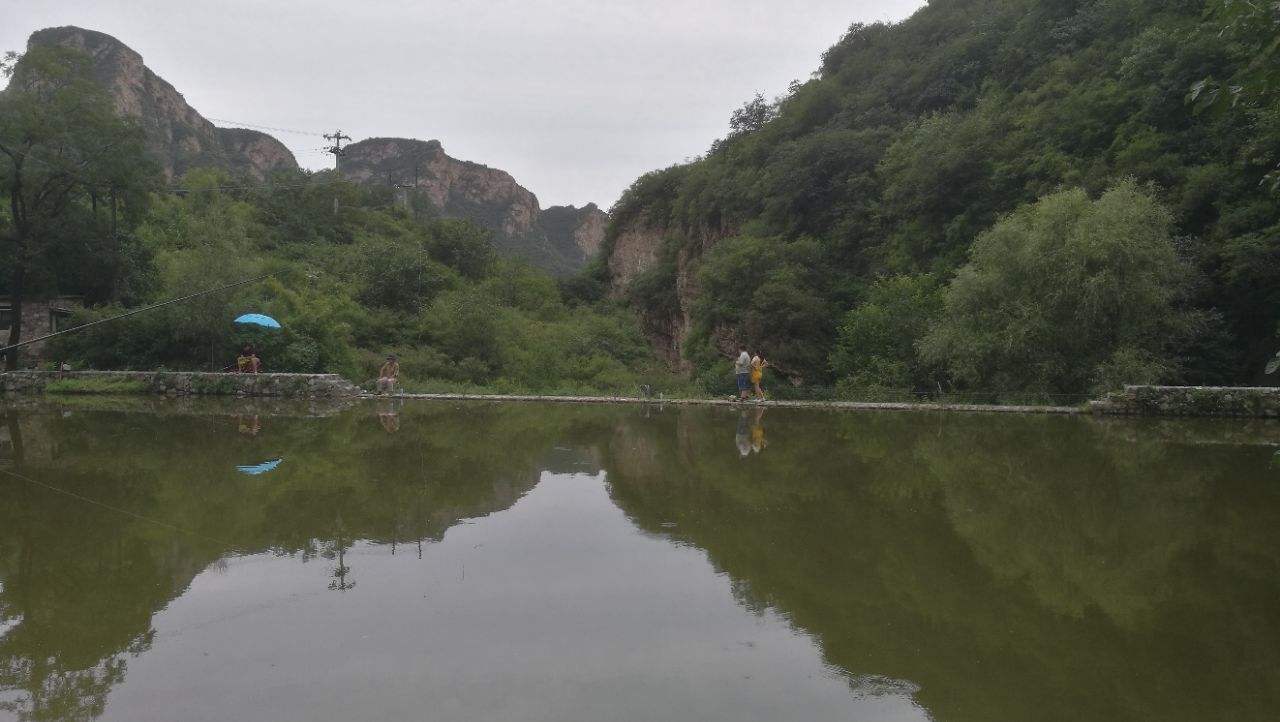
(742, 369)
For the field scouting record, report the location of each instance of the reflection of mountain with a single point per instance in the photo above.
(1012, 568)
(1028, 568)
(73, 604)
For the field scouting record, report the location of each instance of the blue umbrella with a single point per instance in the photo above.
(262, 468)
(257, 319)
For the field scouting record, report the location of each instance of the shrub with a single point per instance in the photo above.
(1068, 294)
(875, 345)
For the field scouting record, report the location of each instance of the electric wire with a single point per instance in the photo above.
(135, 311)
(28, 155)
(117, 509)
(258, 126)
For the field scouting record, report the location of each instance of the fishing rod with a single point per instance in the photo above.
(7, 349)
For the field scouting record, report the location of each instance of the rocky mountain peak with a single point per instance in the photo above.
(558, 239)
(177, 135)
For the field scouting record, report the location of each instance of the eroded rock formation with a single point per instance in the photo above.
(177, 136)
(559, 239)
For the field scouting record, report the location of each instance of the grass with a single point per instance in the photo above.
(96, 386)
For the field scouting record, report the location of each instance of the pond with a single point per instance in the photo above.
(235, 560)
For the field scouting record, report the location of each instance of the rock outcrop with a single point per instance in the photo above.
(177, 136)
(457, 188)
(559, 239)
(634, 250)
(567, 236)
(636, 247)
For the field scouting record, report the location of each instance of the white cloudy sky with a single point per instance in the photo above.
(574, 97)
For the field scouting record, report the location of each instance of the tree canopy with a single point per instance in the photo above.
(913, 140)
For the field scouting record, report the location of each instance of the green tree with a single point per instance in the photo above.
(876, 342)
(61, 145)
(1252, 26)
(1068, 294)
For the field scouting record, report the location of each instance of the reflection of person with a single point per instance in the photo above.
(248, 362)
(389, 417)
(389, 374)
(249, 424)
(757, 374)
(742, 438)
(742, 371)
(757, 432)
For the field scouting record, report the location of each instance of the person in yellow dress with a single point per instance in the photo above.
(758, 366)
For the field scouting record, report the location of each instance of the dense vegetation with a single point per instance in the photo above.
(991, 197)
(354, 275)
(918, 214)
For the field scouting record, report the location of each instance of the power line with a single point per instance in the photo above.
(266, 127)
(134, 312)
(117, 509)
(178, 189)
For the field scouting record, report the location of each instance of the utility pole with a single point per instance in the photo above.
(337, 137)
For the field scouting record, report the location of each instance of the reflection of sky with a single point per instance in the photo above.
(7, 624)
(556, 609)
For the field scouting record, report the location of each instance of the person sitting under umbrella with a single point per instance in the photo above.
(248, 362)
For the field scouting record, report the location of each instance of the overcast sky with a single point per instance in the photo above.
(575, 98)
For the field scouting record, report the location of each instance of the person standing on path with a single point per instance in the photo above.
(742, 370)
(757, 375)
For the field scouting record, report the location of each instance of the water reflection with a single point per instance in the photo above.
(249, 424)
(977, 567)
(749, 438)
(389, 415)
(262, 468)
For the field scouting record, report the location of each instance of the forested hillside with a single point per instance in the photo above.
(356, 270)
(991, 195)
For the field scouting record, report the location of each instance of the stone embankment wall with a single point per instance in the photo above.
(188, 383)
(1253, 402)
(1238, 401)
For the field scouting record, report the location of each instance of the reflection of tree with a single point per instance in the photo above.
(337, 550)
(55, 693)
(1013, 568)
(79, 583)
(997, 562)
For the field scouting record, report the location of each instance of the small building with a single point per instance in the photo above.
(40, 317)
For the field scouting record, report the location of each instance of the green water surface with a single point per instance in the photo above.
(477, 561)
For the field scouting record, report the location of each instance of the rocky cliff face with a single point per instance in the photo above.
(559, 239)
(457, 188)
(636, 247)
(588, 232)
(177, 136)
(568, 237)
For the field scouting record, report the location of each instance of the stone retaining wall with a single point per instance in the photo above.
(1252, 401)
(188, 383)
(1238, 401)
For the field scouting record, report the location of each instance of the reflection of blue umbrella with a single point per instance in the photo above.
(262, 468)
(257, 319)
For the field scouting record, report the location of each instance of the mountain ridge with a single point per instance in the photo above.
(180, 138)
